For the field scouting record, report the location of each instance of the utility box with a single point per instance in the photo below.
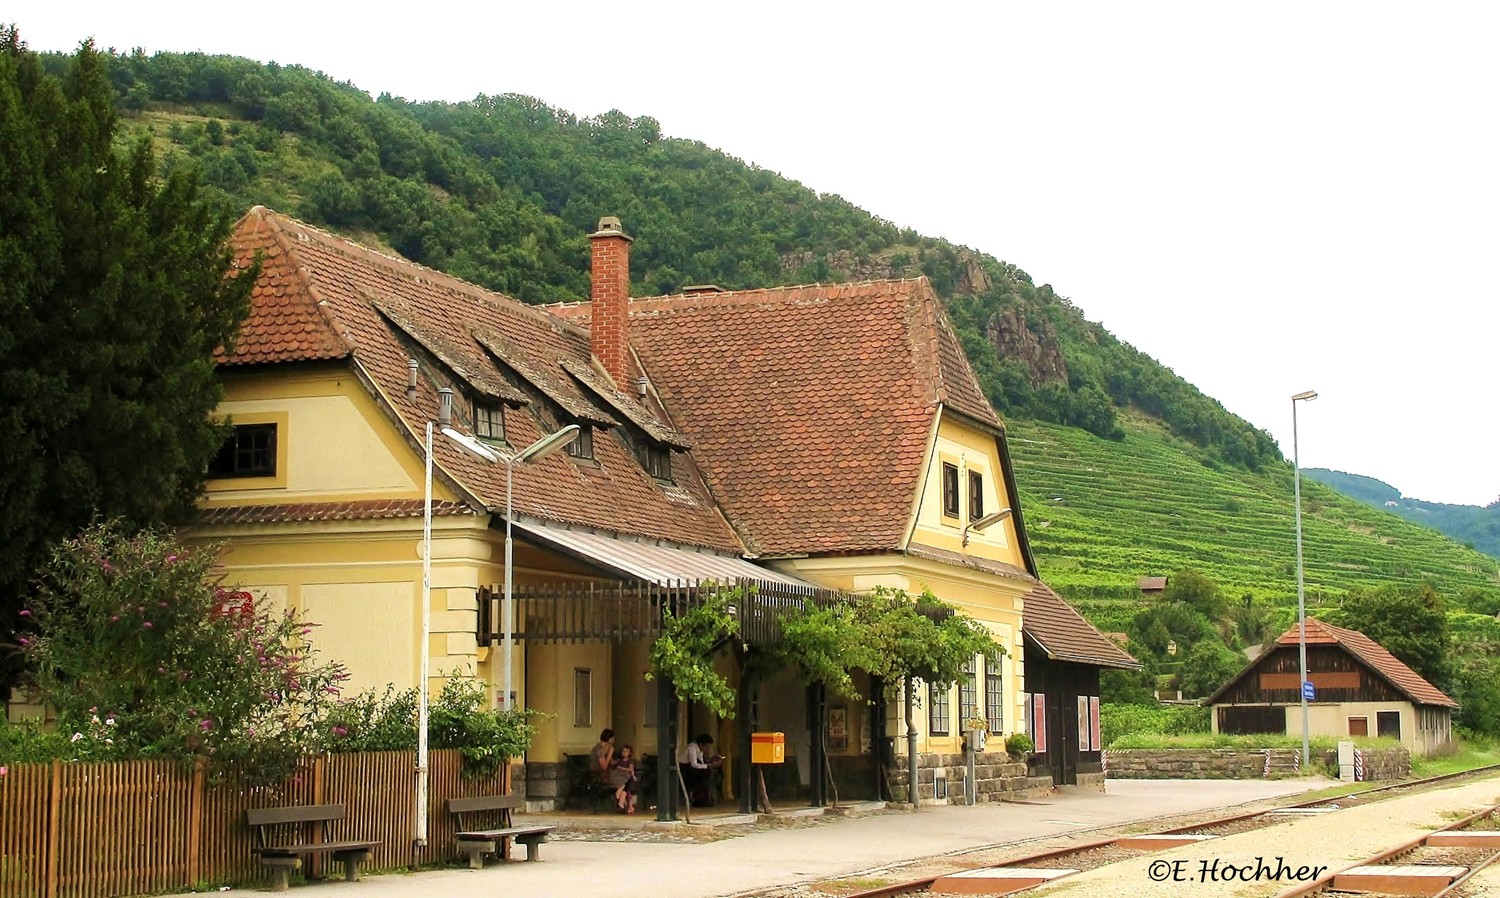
(768, 748)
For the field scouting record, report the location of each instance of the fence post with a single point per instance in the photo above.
(54, 828)
(195, 823)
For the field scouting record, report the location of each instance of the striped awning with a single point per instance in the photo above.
(650, 561)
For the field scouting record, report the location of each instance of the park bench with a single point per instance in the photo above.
(283, 836)
(476, 842)
(585, 786)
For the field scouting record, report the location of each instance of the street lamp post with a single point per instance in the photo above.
(536, 451)
(419, 818)
(1307, 396)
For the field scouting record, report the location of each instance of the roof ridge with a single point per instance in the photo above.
(442, 280)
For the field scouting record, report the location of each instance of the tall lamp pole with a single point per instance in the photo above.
(536, 451)
(1307, 396)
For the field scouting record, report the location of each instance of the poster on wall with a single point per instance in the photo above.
(1039, 723)
(838, 728)
(1084, 731)
(1094, 722)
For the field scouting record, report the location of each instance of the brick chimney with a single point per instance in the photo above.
(609, 329)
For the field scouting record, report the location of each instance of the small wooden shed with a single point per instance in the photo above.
(1064, 654)
(1360, 689)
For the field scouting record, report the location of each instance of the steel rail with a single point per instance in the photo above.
(924, 883)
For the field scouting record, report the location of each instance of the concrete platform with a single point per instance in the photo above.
(1160, 842)
(1464, 839)
(1398, 879)
(632, 866)
(996, 880)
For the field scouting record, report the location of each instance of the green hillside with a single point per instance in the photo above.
(1101, 514)
(1475, 526)
(1149, 475)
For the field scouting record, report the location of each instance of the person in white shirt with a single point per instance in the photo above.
(697, 772)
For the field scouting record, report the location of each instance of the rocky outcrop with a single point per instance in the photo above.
(1034, 344)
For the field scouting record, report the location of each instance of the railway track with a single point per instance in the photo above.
(1027, 872)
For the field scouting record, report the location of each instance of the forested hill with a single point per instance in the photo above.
(502, 191)
(1474, 526)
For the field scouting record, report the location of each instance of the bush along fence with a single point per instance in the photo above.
(77, 830)
(1245, 763)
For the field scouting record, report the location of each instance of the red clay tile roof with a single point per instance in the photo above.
(1064, 634)
(342, 282)
(810, 407)
(288, 321)
(1374, 656)
(361, 510)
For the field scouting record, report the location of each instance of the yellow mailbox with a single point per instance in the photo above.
(767, 748)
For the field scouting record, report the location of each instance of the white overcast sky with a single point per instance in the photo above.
(1268, 197)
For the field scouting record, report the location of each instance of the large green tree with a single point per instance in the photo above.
(1411, 623)
(113, 299)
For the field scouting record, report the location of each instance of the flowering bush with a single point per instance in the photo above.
(142, 654)
(459, 717)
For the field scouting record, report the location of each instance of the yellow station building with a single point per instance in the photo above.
(827, 437)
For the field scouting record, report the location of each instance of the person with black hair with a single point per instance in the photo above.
(698, 770)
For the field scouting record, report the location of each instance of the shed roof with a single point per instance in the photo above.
(1364, 649)
(1065, 634)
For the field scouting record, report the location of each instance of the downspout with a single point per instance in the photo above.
(911, 741)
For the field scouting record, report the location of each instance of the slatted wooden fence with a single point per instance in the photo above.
(70, 830)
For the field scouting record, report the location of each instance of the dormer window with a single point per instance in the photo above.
(582, 445)
(950, 489)
(657, 461)
(489, 422)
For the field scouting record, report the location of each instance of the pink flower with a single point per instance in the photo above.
(113, 618)
(205, 725)
(26, 612)
(340, 731)
(171, 558)
(24, 641)
(146, 624)
(4, 770)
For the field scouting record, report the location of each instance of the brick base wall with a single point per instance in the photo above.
(1236, 763)
(998, 778)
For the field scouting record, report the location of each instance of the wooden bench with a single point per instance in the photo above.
(585, 786)
(283, 836)
(476, 842)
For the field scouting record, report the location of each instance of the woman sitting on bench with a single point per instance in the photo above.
(622, 777)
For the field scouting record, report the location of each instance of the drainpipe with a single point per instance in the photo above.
(911, 741)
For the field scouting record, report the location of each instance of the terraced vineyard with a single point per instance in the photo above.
(1101, 514)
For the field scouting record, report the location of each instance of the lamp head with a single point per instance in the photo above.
(991, 518)
(1306, 396)
(547, 445)
(473, 446)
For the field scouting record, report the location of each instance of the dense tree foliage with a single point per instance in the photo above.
(113, 300)
(1411, 624)
(502, 190)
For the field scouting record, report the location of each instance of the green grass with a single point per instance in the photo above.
(1468, 756)
(1101, 514)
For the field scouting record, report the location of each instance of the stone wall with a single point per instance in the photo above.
(998, 777)
(1382, 763)
(1243, 763)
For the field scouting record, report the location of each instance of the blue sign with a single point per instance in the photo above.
(1307, 690)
